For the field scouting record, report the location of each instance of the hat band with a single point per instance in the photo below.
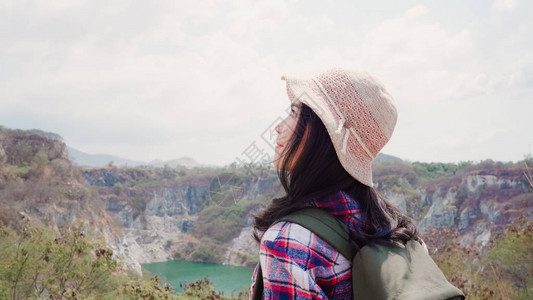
(361, 143)
(342, 121)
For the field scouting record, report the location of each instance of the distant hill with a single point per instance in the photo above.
(386, 158)
(187, 162)
(99, 160)
(102, 160)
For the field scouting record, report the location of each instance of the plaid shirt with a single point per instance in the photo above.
(297, 264)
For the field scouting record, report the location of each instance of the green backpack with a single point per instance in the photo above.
(378, 271)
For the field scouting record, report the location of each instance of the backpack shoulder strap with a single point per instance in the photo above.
(326, 226)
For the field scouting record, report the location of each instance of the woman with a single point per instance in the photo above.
(338, 123)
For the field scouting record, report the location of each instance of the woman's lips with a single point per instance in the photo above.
(278, 145)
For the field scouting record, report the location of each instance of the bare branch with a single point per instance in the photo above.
(528, 174)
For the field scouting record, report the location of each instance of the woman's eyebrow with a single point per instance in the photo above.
(297, 105)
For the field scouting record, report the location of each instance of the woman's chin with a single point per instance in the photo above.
(277, 162)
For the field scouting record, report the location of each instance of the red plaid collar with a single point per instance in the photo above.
(342, 205)
(338, 203)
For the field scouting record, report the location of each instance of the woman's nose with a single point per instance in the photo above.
(278, 128)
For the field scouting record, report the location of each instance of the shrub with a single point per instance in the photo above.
(168, 244)
(207, 251)
(21, 172)
(427, 171)
(511, 259)
(62, 168)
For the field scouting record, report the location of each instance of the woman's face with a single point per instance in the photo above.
(285, 130)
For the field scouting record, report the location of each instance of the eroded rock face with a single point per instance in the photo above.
(442, 212)
(474, 183)
(3, 156)
(153, 217)
(177, 202)
(478, 205)
(468, 215)
(173, 201)
(397, 200)
(482, 234)
(119, 245)
(116, 206)
(489, 210)
(112, 176)
(150, 243)
(242, 247)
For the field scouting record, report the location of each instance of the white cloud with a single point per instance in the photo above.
(412, 50)
(321, 23)
(246, 18)
(504, 5)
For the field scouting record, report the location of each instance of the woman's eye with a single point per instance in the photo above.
(293, 112)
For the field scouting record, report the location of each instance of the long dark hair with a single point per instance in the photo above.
(316, 173)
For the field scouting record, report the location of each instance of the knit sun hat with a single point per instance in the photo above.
(357, 112)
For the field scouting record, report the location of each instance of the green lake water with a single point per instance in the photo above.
(226, 279)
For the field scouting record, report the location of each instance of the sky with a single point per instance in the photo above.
(151, 80)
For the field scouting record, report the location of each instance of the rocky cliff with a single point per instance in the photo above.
(477, 203)
(152, 216)
(157, 210)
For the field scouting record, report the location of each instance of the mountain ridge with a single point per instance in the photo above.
(98, 160)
